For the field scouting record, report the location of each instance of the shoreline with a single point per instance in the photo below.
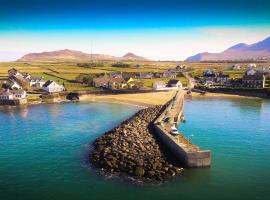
(143, 100)
(222, 95)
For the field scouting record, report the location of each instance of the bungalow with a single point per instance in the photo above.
(146, 75)
(251, 66)
(117, 83)
(101, 82)
(250, 72)
(127, 75)
(12, 94)
(254, 81)
(169, 74)
(158, 75)
(15, 73)
(14, 85)
(222, 78)
(233, 67)
(115, 74)
(208, 72)
(51, 87)
(209, 77)
(180, 67)
(175, 83)
(159, 85)
(36, 82)
(263, 70)
(137, 85)
(27, 77)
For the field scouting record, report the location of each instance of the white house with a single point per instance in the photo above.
(251, 65)
(159, 85)
(251, 72)
(12, 94)
(51, 86)
(175, 83)
(36, 82)
(15, 85)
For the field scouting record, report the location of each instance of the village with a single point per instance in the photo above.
(19, 85)
(253, 77)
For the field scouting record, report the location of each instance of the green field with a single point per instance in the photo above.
(66, 72)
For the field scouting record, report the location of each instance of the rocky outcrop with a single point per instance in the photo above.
(132, 149)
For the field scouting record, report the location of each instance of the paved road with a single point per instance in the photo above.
(191, 81)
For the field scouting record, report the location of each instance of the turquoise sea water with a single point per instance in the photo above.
(43, 152)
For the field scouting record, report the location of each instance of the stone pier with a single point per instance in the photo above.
(188, 154)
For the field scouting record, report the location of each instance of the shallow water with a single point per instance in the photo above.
(43, 152)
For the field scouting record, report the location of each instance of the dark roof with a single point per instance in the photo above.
(173, 82)
(223, 76)
(253, 77)
(209, 75)
(47, 83)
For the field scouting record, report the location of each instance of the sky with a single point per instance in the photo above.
(156, 29)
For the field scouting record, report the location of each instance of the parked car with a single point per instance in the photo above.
(174, 131)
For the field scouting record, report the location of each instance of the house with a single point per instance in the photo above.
(51, 87)
(27, 77)
(127, 75)
(146, 75)
(237, 82)
(117, 83)
(12, 94)
(159, 85)
(133, 84)
(15, 85)
(169, 74)
(15, 73)
(251, 66)
(222, 78)
(180, 67)
(214, 78)
(137, 85)
(174, 83)
(158, 75)
(250, 72)
(36, 82)
(139, 66)
(263, 70)
(210, 77)
(115, 74)
(254, 81)
(208, 72)
(233, 67)
(101, 82)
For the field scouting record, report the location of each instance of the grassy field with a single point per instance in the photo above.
(65, 72)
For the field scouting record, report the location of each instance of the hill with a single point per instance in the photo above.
(238, 52)
(132, 56)
(74, 56)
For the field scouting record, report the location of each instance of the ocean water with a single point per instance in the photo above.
(43, 152)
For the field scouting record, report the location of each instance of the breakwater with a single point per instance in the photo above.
(132, 149)
(187, 153)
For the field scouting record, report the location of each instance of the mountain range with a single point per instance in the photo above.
(72, 55)
(238, 52)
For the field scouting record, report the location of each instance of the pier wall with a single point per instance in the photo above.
(15, 102)
(187, 153)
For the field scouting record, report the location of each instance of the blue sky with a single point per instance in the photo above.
(166, 30)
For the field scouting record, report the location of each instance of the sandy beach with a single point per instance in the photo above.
(141, 99)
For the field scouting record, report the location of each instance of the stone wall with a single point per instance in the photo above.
(190, 157)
